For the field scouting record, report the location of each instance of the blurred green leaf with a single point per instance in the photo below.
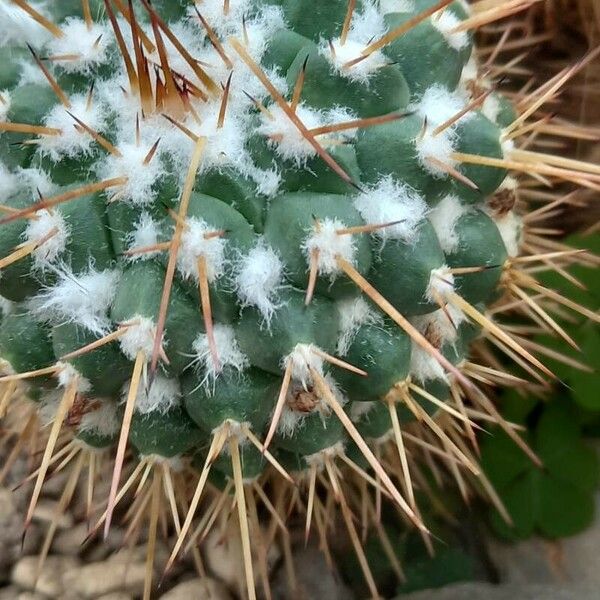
(449, 565)
(557, 500)
(586, 386)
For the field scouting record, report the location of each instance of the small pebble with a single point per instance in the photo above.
(49, 582)
(198, 589)
(97, 579)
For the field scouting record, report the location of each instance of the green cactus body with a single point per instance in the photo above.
(327, 191)
(265, 212)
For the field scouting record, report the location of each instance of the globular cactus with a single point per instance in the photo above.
(256, 239)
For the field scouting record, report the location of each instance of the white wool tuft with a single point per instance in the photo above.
(39, 228)
(491, 107)
(140, 186)
(145, 233)
(4, 104)
(438, 104)
(470, 72)
(441, 283)
(344, 53)
(162, 395)
(9, 183)
(89, 44)
(439, 147)
(303, 359)
(6, 368)
(195, 245)
(285, 137)
(396, 6)
(259, 277)
(342, 114)
(16, 26)
(354, 312)
(69, 374)
(82, 299)
(72, 142)
(31, 73)
(444, 218)
(6, 306)
(366, 26)
(319, 459)
(443, 327)
(259, 30)
(507, 147)
(291, 419)
(103, 420)
(359, 410)
(224, 144)
(212, 11)
(48, 406)
(510, 227)
(35, 182)
(139, 337)
(445, 21)
(424, 367)
(389, 201)
(435, 107)
(228, 353)
(330, 245)
(267, 181)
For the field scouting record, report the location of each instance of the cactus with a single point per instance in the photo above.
(254, 241)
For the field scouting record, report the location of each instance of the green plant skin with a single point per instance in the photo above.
(478, 135)
(139, 294)
(313, 434)
(411, 264)
(324, 88)
(294, 323)
(105, 367)
(390, 149)
(26, 345)
(293, 215)
(100, 232)
(383, 351)
(480, 245)
(315, 19)
(246, 397)
(167, 434)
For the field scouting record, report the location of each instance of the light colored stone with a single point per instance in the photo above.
(530, 561)
(198, 589)
(54, 486)
(314, 578)
(116, 596)
(103, 549)
(45, 512)
(29, 596)
(224, 559)
(109, 576)
(49, 582)
(68, 542)
(579, 554)
(488, 591)
(11, 531)
(573, 559)
(9, 592)
(11, 526)
(8, 509)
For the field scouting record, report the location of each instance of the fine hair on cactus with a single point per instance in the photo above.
(259, 258)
